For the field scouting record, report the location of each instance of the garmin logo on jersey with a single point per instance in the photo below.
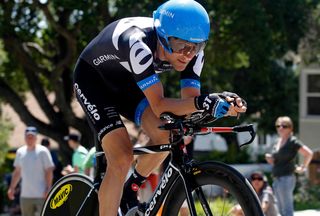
(91, 108)
(163, 184)
(104, 58)
(147, 82)
(167, 13)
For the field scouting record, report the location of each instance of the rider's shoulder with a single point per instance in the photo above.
(131, 22)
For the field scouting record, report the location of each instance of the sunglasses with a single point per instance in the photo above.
(257, 178)
(185, 47)
(283, 126)
(31, 130)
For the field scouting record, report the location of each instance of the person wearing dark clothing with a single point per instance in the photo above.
(283, 161)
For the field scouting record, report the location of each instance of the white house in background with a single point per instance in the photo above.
(210, 142)
(309, 116)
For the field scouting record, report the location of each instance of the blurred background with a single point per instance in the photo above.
(266, 51)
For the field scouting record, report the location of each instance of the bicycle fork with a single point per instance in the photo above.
(186, 174)
(187, 188)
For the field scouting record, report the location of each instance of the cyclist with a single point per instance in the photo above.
(117, 74)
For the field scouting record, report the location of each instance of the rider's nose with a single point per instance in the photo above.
(188, 55)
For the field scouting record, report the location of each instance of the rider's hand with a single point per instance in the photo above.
(213, 104)
(238, 105)
(221, 104)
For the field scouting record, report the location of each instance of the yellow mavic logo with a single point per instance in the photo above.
(61, 196)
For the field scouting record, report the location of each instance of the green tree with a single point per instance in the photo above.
(309, 48)
(42, 40)
(6, 128)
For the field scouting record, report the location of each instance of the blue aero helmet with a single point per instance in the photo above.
(182, 19)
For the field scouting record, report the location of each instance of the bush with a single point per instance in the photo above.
(5, 165)
(306, 195)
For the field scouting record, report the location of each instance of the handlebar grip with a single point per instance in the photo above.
(246, 128)
(243, 128)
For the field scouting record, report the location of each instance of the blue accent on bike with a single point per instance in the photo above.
(184, 83)
(221, 108)
(139, 110)
(147, 82)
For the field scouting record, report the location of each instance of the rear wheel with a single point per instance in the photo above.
(72, 195)
(217, 189)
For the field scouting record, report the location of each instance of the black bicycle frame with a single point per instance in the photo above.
(179, 167)
(176, 169)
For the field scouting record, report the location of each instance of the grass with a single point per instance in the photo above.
(219, 207)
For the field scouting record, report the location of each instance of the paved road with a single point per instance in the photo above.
(308, 213)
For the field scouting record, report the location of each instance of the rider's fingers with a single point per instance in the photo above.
(240, 109)
(232, 111)
(235, 110)
(229, 99)
(239, 102)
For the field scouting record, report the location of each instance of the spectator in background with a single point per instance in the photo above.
(58, 166)
(264, 191)
(282, 158)
(14, 206)
(33, 164)
(90, 162)
(78, 156)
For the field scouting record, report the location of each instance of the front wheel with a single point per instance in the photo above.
(217, 189)
(72, 195)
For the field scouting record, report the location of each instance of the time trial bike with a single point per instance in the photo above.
(208, 188)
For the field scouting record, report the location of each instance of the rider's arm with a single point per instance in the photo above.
(160, 104)
(189, 92)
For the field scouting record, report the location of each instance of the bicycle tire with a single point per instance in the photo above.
(72, 195)
(214, 174)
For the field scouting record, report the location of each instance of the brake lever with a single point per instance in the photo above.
(246, 128)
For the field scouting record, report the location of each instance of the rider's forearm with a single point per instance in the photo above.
(176, 106)
(159, 103)
(189, 92)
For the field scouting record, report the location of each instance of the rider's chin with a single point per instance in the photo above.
(180, 66)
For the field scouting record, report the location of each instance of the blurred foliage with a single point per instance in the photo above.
(219, 206)
(306, 194)
(41, 40)
(309, 47)
(5, 162)
(6, 128)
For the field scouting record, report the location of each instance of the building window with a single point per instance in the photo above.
(313, 94)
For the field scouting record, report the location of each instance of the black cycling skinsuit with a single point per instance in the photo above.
(116, 67)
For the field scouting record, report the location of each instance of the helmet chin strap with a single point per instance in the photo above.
(160, 52)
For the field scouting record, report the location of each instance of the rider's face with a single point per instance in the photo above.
(182, 52)
(179, 61)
